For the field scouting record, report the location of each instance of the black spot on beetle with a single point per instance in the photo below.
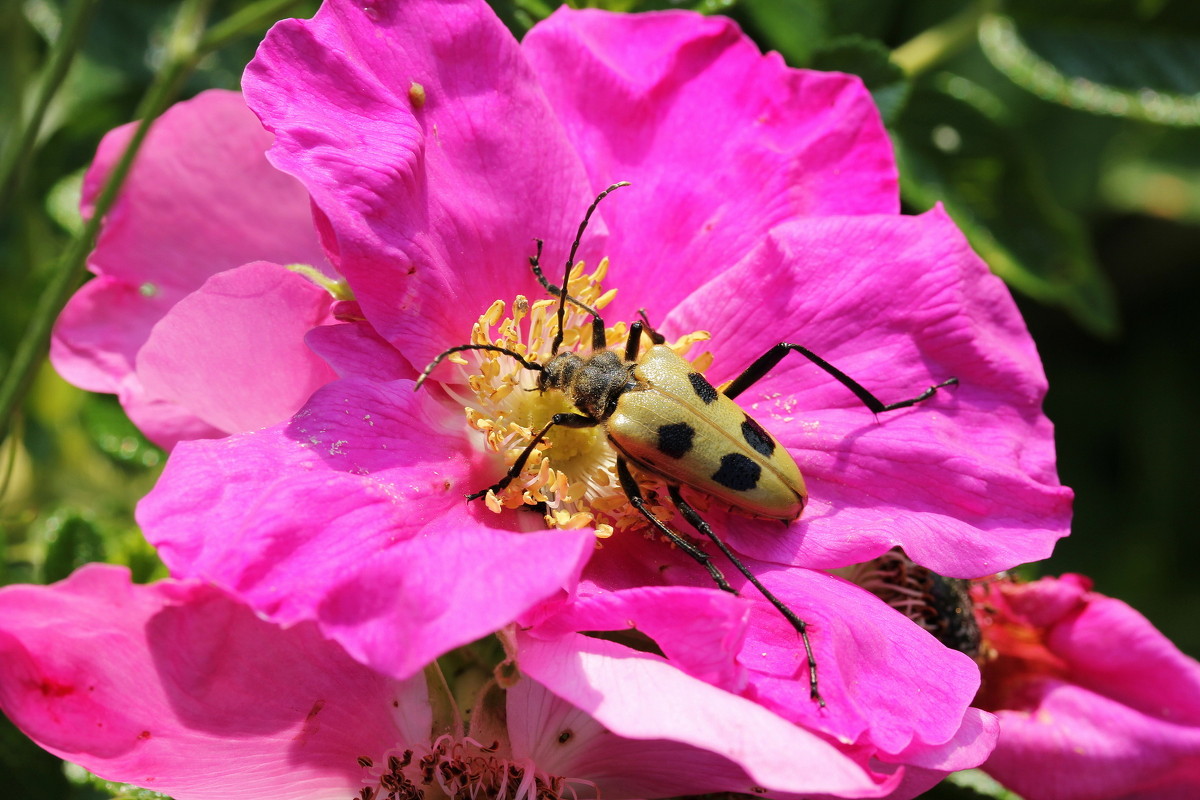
(675, 439)
(757, 437)
(704, 389)
(737, 472)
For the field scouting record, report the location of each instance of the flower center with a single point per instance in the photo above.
(940, 605)
(571, 473)
(458, 768)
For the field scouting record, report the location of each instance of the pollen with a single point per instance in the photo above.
(571, 475)
(453, 767)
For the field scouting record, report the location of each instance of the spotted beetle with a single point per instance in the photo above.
(663, 416)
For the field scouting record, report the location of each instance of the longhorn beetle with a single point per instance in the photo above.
(664, 417)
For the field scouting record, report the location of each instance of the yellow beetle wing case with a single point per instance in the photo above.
(676, 424)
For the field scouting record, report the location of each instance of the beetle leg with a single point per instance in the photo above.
(773, 356)
(654, 335)
(634, 342)
(697, 522)
(565, 420)
(599, 340)
(637, 501)
(536, 263)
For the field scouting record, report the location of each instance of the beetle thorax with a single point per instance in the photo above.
(593, 384)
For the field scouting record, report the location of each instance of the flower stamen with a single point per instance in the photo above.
(456, 768)
(938, 604)
(571, 474)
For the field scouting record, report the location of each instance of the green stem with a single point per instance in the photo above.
(536, 8)
(68, 273)
(446, 716)
(187, 44)
(62, 53)
(248, 18)
(933, 46)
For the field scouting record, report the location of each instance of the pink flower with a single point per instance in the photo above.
(763, 208)
(178, 688)
(192, 321)
(1094, 703)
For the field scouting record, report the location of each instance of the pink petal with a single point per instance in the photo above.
(889, 686)
(354, 349)
(200, 199)
(1113, 650)
(887, 683)
(95, 346)
(164, 423)
(970, 746)
(233, 351)
(100, 330)
(738, 745)
(698, 630)
(965, 482)
(1080, 745)
(353, 516)
(720, 142)
(176, 688)
(430, 207)
(1093, 701)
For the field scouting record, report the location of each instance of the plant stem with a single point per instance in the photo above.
(69, 271)
(933, 46)
(248, 18)
(62, 53)
(187, 43)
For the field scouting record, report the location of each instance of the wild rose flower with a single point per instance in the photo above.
(1094, 703)
(192, 320)
(178, 688)
(435, 149)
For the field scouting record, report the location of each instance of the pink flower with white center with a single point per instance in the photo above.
(178, 688)
(193, 320)
(763, 209)
(1094, 703)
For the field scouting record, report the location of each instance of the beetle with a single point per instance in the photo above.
(665, 418)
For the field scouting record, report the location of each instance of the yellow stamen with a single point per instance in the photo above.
(573, 470)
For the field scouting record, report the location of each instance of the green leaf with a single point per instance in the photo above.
(29, 771)
(520, 15)
(981, 783)
(62, 204)
(796, 28)
(1124, 72)
(95, 786)
(71, 540)
(130, 548)
(869, 60)
(116, 436)
(1156, 174)
(953, 147)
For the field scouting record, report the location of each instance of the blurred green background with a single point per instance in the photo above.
(1062, 135)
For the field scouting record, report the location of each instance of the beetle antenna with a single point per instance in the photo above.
(562, 295)
(526, 363)
(535, 261)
